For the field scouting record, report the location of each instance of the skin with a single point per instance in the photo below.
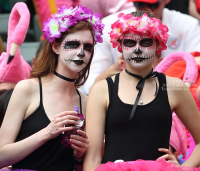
(174, 153)
(69, 53)
(7, 86)
(198, 94)
(136, 47)
(98, 101)
(193, 10)
(116, 67)
(169, 156)
(56, 92)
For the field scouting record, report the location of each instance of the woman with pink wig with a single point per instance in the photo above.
(43, 128)
(134, 108)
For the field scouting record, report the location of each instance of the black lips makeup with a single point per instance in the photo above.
(76, 50)
(138, 50)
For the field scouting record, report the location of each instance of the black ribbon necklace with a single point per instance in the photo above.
(139, 87)
(64, 78)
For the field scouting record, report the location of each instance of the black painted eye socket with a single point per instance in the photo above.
(129, 43)
(72, 45)
(146, 42)
(88, 47)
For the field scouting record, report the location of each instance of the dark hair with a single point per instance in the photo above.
(140, 13)
(2, 47)
(47, 59)
(4, 100)
(173, 149)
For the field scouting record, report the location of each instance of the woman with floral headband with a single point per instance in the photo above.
(134, 108)
(41, 109)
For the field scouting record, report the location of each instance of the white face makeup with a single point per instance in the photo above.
(76, 49)
(138, 51)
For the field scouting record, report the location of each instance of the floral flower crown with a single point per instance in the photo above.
(138, 25)
(65, 18)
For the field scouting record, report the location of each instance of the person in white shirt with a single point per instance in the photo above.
(106, 7)
(184, 32)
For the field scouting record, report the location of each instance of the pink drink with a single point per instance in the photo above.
(80, 125)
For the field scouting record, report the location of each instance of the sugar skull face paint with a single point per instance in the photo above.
(81, 48)
(138, 51)
(77, 44)
(76, 49)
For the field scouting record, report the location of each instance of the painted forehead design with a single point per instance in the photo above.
(138, 25)
(137, 38)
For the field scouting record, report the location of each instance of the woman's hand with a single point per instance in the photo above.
(79, 143)
(169, 156)
(57, 125)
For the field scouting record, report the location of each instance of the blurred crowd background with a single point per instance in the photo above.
(41, 9)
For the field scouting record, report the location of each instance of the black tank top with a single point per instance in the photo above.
(51, 156)
(140, 137)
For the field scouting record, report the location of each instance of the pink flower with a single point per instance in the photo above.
(51, 29)
(139, 25)
(65, 18)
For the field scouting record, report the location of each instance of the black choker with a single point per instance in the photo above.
(140, 86)
(64, 78)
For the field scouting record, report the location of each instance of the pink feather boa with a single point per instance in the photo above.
(142, 165)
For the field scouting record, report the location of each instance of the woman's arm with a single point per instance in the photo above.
(117, 67)
(11, 152)
(193, 10)
(186, 110)
(95, 124)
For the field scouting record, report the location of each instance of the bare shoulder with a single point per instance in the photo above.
(177, 92)
(98, 95)
(99, 87)
(26, 87)
(20, 100)
(174, 84)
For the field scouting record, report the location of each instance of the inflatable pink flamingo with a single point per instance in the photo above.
(189, 77)
(191, 72)
(13, 67)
